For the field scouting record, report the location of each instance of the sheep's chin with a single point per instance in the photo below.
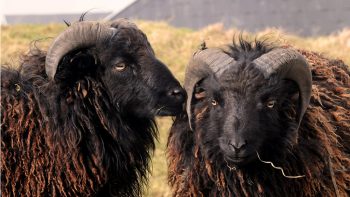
(240, 161)
(167, 111)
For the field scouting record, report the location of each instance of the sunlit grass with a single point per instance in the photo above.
(173, 46)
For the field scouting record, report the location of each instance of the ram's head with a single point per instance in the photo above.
(246, 99)
(118, 55)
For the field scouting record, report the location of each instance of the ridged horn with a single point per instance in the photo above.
(79, 35)
(289, 64)
(203, 64)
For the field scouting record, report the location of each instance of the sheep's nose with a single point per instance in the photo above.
(238, 146)
(178, 93)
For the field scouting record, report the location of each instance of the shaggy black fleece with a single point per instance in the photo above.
(319, 151)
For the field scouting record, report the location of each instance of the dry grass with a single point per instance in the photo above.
(173, 46)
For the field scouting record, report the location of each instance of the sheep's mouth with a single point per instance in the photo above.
(240, 159)
(167, 111)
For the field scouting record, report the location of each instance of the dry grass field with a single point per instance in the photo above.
(173, 46)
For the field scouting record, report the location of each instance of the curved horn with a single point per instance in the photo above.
(203, 64)
(79, 35)
(289, 64)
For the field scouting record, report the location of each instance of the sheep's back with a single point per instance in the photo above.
(330, 102)
(328, 117)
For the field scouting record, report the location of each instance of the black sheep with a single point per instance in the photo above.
(79, 119)
(251, 106)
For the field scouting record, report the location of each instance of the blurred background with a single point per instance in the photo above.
(306, 18)
(176, 28)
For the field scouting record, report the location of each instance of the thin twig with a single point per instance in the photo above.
(279, 168)
(229, 167)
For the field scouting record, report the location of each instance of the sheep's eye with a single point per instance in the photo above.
(270, 104)
(120, 67)
(214, 102)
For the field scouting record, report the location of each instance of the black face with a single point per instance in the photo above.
(137, 82)
(240, 114)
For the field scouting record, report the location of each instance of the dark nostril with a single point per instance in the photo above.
(238, 146)
(177, 92)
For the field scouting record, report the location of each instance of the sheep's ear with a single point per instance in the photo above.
(78, 36)
(74, 67)
(293, 96)
(200, 95)
(204, 86)
(199, 92)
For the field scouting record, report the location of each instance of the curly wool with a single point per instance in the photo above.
(322, 152)
(68, 142)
